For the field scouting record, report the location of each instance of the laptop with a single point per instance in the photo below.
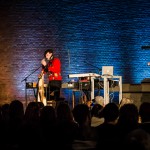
(107, 70)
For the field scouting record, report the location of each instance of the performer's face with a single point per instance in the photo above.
(48, 55)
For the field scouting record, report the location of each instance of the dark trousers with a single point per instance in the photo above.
(53, 90)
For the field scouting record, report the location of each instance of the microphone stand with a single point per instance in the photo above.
(99, 70)
(25, 79)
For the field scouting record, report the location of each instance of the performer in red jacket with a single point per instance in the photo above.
(52, 66)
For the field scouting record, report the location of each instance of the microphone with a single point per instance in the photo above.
(44, 61)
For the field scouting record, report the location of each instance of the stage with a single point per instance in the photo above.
(137, 92)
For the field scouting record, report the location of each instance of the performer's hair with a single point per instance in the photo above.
(48, 51)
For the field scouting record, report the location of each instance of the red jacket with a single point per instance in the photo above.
(54, 69)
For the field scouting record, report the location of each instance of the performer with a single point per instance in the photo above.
(52, 66)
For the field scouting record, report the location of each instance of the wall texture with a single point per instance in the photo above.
(85, 35)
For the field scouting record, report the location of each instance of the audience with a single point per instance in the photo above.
(92, 128)
(128, 118)
(137, 139)
(15, 124)
(127, 121)
(96, 115)
(107, 137)
(144, 112)
(125, 101)
(48, 126)
(31, 127)
(85, 138)
(67, 127)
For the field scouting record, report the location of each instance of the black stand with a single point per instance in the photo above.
(25, 79)
(99, 70)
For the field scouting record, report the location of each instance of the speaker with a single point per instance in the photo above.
(146, 80)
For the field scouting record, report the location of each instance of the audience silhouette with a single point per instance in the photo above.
(46, 127)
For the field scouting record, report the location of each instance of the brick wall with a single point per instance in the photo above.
(82, 32)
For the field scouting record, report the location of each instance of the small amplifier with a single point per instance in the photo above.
(70, 85)
(31, 85)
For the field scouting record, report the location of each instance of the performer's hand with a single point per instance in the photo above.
(40, 75)
(43, 62)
